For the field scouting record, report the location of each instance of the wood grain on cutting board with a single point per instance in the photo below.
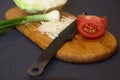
(78, 50)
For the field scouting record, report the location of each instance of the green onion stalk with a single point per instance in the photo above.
(51, 16)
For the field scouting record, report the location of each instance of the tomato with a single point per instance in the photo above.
(91, 26)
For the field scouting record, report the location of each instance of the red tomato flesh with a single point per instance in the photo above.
(91, 26)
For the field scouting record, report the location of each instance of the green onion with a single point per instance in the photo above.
(51, 16)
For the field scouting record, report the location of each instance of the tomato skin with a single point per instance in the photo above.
(91, 26)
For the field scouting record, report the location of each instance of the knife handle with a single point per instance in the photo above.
(38, 66)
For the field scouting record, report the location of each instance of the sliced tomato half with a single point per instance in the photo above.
(91, 26)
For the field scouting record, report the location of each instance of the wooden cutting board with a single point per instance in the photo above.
(78, 50)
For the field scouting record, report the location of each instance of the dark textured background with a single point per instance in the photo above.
(17, 52)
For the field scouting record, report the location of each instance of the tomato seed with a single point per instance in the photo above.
(90, 28)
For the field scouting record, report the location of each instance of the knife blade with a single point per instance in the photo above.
(39, 65)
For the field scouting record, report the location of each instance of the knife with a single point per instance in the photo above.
(39, 65)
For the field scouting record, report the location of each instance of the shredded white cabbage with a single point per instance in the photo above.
(53, 28)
